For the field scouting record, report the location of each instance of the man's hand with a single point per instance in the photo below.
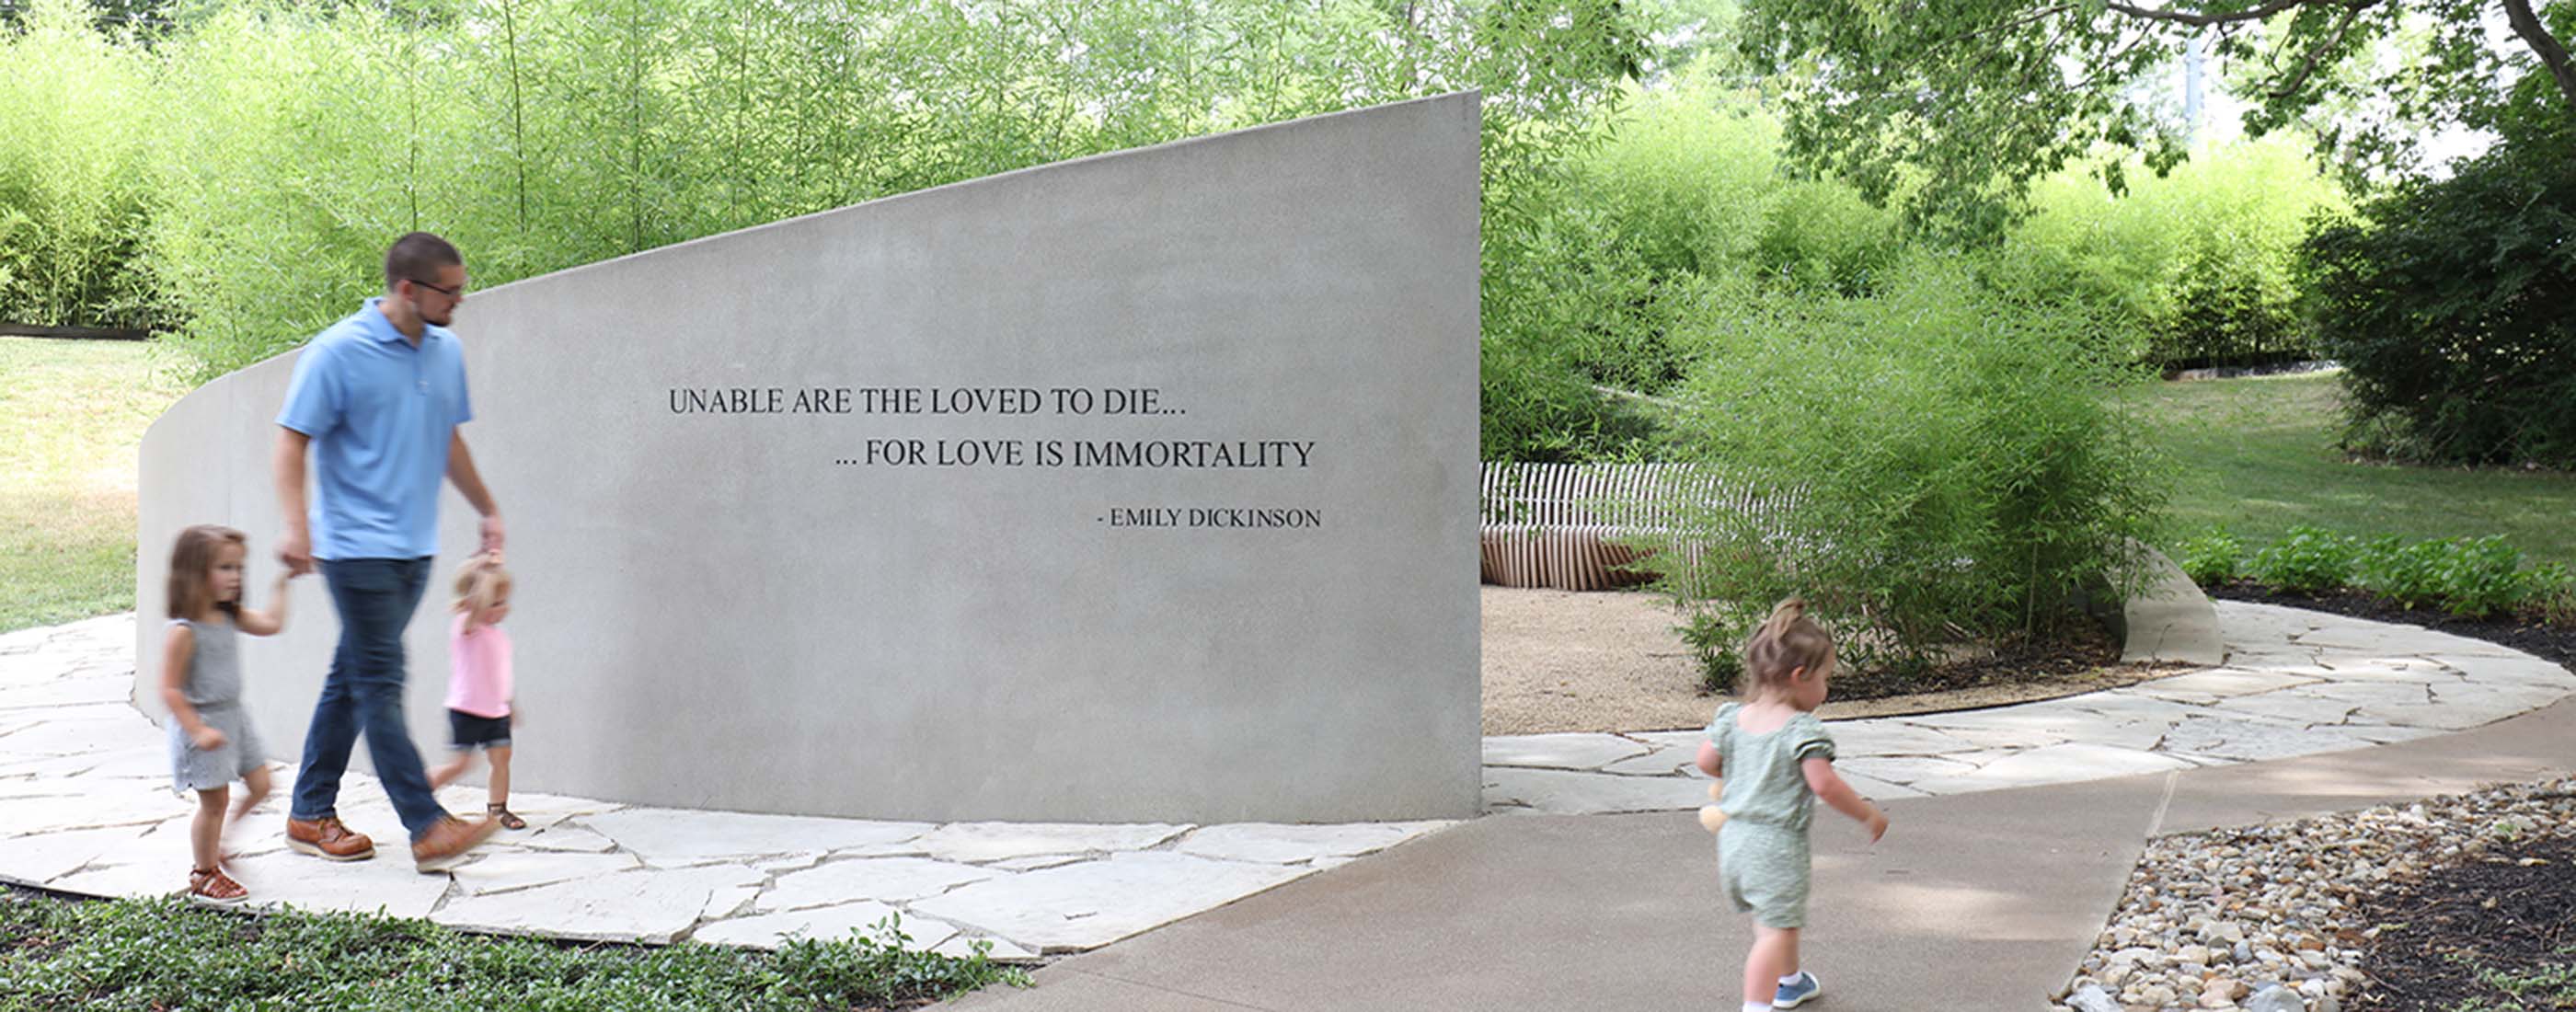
(206, 738)
(1877, 825)
(492, 535)
(295, 549)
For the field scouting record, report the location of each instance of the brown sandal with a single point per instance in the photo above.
(502, 815)
(212, 887)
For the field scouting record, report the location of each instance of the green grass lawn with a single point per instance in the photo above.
(72, 415)
(2258, 456)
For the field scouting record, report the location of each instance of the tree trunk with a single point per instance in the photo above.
(2552, 54)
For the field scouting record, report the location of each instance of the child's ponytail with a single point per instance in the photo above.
(1785, 642)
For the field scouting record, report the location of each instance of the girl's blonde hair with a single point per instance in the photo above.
(192, 560)
(1786, 642)
(478, 581)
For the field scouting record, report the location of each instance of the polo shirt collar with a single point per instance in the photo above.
(373, 318)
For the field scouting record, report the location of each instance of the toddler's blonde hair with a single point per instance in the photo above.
(1786, 641)
(478, 581)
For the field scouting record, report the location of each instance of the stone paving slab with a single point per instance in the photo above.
(86, 807)
(768, 931)
(85, 804)
(641, 906)
(1560, 751)
(2053, 764)
(283, 878)
(505, 868)
(995, 841)
(1567, 792)
(887, 878)
(1275, 843)
(1093, 903)
(69, 692)
(679, 835)
(2290, 683)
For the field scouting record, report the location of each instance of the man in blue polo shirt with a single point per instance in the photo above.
(376, 399)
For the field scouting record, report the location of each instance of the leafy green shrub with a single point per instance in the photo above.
(2228, 310)
(1715, 638)
(1689, 179)
(76, 114)
(1930, 465)
(2484, 577)
(2213, 557)
(2309, 561)
(2553, 594)
(2445, 302)
(2194, 267)
(2409, 574)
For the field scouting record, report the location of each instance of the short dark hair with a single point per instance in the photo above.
(416, 256)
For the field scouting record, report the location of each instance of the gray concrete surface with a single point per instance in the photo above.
(1976, 901)
(780, 612)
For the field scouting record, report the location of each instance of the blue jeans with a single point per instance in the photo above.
(364, 693)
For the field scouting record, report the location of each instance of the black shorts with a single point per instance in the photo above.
(466, 731)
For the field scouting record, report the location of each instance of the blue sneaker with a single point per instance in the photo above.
(1794, 995)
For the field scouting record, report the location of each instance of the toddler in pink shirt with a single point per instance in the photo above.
(479, 692)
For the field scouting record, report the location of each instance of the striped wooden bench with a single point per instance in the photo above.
(1566, 526)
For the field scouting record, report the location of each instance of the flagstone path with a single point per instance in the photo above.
(86, 807)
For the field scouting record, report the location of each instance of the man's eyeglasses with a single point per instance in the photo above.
(457, 292)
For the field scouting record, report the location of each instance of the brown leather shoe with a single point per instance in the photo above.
(327, 839)
(446, 843)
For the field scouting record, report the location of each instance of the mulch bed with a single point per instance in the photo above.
(2494, 934)
(2556, 643)
(2083, 650)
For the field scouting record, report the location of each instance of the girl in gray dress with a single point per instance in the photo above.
(211, 740)
(1777, 761)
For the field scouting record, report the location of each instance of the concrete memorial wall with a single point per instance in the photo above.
(1140, 487)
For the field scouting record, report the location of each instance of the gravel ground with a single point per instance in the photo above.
(2281, 917)
(1561, 660)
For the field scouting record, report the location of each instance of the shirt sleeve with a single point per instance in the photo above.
(1812, 741)
(316, 397)
(464, 402)
(1719, 725)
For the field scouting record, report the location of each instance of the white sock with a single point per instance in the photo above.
(1757, 1006)
(1792, 978)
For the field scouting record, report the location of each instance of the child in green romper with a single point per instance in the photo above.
(1777, 759)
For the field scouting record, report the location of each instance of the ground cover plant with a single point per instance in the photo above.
(63, 953)
(2478, 587)
(2474, 578)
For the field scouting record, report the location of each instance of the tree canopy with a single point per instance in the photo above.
(1950, 108)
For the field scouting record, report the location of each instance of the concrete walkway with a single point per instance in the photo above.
(1983, 901)
(85, 807)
